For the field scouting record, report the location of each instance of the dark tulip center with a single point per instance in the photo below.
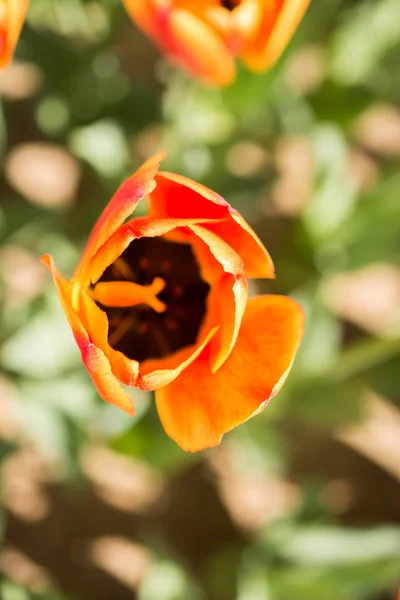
(139, 331)
(229, 4)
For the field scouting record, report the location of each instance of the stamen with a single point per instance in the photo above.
(120, 330)
(121, 267)
(171, 324)
(144, 263)
(166, 266)
(178, 291)
(123, 294)
(160, 338)
(143, 328)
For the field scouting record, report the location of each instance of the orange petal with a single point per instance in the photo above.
(228, 296)
(104, 380)
(12, 17)
(135, 228)
(220, 19)
(63, 287)
(176, 196)
(186, 39)
(145, 13)
(247, 21)
(226, 306)
(120, 207)
(288, 19)
(96, 324)
(238, 233)
(95, 361)
(200, 50)
(199, 407)
(157, 374)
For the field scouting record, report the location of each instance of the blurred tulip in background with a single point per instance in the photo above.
(12, 17)
(205, 37)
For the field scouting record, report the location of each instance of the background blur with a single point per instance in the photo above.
(303, 501)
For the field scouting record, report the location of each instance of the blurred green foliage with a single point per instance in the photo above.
(309, 153)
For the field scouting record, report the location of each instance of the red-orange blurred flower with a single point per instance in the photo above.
(160, 303)
(12, 17)
(205, 36)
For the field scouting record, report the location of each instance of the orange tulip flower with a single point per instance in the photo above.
(204, 36)
(12, 17)
(160, 303)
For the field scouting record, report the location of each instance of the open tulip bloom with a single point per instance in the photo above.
(160, 303)
(12, 17)
(205, 36)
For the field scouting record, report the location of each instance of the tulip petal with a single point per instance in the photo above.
(185, 38)
(143, 13)
(176, 196)
(120, 207)
(95, 361)
(227, 305)
(156, 378)
(96, 324)
(228, 296)
(104, 380)
(253, 373)
(135, 228)
(200, 50)
(247, 20)
(12, 17)
(63, 288)
(239, 234)
(287, 21)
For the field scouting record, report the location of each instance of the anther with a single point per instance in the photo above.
(143, 328)
(166, 266)
(178, 291)
(121, 267)
(171, 324)
(144, 263)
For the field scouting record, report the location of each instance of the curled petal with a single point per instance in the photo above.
(176, 196)
(63, 287)
(133, 229)
(252, 374)
(239, 234)
(226, 306)
(228, 295)
(222, 251)
(96, 323)
(120, 207)
(94, 359)
(104, 379)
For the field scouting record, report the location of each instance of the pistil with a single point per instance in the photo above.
(124, 294)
